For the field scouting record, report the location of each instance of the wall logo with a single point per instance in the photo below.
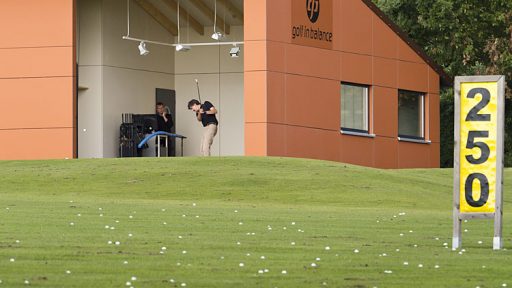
(307, 27)
(313, 10)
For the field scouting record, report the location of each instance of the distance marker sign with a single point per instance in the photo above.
(478, 153)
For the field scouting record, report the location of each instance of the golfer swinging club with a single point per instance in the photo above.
(205, 113)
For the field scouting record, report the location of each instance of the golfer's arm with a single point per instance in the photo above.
(212, 111)
(199, 117)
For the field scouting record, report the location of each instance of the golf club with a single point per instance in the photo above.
(198, 92)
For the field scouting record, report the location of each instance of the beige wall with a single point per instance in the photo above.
(221, 81)
(118, 79)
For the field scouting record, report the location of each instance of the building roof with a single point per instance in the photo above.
(446, 80)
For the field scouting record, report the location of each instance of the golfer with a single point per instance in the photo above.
(205, 113)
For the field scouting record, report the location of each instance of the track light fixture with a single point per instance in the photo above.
(180, 47)
(142, 49)
(234, 52)
(183, 48)
(217, 36)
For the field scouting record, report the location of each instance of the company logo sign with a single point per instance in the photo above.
(312, 23)
(313, 10)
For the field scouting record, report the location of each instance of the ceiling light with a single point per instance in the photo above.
(142, 49)
(183, 48)
(234, 52)
(217, 36)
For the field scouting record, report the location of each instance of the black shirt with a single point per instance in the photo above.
(162, 125)
(208, 118)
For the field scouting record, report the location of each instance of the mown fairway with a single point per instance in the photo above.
(238, 222)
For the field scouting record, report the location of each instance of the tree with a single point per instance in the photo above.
(466, 37)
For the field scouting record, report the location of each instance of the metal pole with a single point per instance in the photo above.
(158, 146)
(497, 243)
(457, 237)
(167, 145)
(184, 44)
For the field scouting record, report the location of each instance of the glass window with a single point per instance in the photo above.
(354, 107)
(411, 114)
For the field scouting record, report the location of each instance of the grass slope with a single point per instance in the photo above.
(224, 222)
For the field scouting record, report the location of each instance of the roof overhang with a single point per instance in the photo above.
(446, 80)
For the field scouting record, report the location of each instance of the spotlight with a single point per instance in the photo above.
(142, 49)
(183, 48)
(234, 52)
(217, 36)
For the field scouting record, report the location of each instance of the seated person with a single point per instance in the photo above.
(164, 123)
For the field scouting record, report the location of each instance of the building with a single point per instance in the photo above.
(321, 79)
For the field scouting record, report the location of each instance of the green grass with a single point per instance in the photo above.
(227, 211)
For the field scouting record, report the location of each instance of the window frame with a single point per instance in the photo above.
(413, 138)
(353, 131)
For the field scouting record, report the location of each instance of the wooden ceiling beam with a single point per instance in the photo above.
(221, 24)
(233, 10)
(196, 25)
(158, 16)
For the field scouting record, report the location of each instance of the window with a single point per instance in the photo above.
(354, 108)
(411, 113)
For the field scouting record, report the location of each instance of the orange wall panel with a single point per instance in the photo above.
(433, 81)
(385, 107)
(255, 13)
(276, 56)
(357, 150)
(258, 56)
(356, 27)
(385, 41)
(36, 23)
(406, 53)
(256, 139)
(277, 101)
(433, 117)
(35, 144)
(36, 62)
(313, 62)
(385, 72)
(413, 155)
(356, 68)
(279, 17)
(337, 24)
(386, 152)
(308, 99)
(311, 143)
(412, 76)
(36, 103)
(435, 155)
(255, 96)
(277, 144)
(37, 79)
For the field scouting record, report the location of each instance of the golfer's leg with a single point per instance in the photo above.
(212, 131)
(205, 147)
(201, 149)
